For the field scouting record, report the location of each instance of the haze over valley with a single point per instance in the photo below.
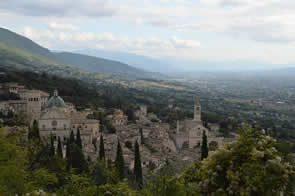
(147, 98)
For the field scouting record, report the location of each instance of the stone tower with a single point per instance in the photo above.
(197, 110)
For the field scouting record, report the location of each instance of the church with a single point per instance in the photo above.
(58, 119)
(189, 133)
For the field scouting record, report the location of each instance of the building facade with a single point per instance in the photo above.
(189, 133)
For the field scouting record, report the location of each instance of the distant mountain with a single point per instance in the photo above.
(95, 64)
(11, 39)
(138, 61)
(22, 53)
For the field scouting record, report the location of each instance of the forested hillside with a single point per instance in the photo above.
(22, 53)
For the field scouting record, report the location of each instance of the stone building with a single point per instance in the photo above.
(118, 118)
(31, 101)
(189, 133)
(58, 119)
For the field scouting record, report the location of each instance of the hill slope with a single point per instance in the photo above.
(95, 64)
(138, 61)
(20, 52)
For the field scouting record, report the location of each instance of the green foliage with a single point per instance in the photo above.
(59, 149)
(78, 139)
(78, 161)
(103, 173)
(78, 185)
(101, 148)
(163, 185)
(204, 147)
(16, 178)
(52, 149)
(120, 189)
(68, 155)
(34, 132)
(137, 166)
(120, 165)
(249, 166)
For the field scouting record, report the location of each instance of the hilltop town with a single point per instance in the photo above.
(159, 142)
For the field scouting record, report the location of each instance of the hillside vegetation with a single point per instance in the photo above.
(22, 53)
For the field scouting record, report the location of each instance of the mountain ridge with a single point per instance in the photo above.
(19, 51)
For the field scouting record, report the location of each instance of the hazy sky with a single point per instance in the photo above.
(212, 30)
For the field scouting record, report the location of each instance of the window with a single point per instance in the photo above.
(54, 123)
(43, 126)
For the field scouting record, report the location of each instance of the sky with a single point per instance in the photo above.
(207, 30)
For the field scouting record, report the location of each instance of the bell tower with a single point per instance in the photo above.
(55, 93)
(197, 110)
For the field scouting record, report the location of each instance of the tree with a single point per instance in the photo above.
(78, 185)
(34, 132)
(119, 162)
(59, 149)
(52, 149)
(141, 136)
(78, 139)
(16, 177)
(204, 147)
(120, 188)
(72, 138)
(137, 166)
(249, 166)
(68, 155)
(78, 161)
(101, 149)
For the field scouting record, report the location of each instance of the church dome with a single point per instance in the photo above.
(55, 101)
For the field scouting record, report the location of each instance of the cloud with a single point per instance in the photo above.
(63, 27)
(60, 8)
(150, 46)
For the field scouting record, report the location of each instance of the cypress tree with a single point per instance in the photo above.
(34, 131)
(137, 166)
(59, 149)
(68, 155)
(120, 161)
(141, 136)
(77, 159)
(30, 134)
(204, 147)
(72, 138)
(101, 149)
(78, 139)
(52, 149)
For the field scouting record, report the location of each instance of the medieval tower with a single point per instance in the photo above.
(197, 111)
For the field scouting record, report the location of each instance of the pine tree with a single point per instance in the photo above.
(59, 149)
(120, 161)
(141, 136)
(52, 149)
(101, 149)
(78, 139)
(204, 147)
(137, 166)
